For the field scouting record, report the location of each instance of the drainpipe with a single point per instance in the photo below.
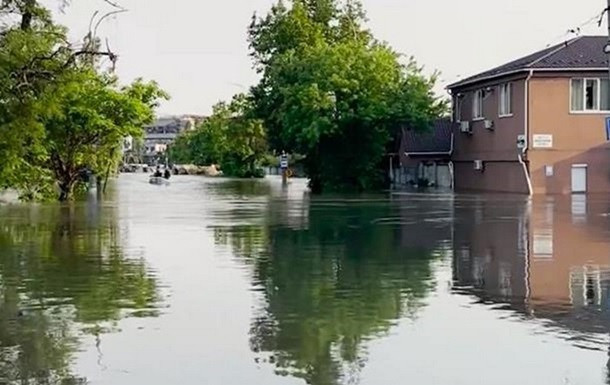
(527, 133)
(451, 169)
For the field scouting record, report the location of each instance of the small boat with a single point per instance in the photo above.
(158, 180)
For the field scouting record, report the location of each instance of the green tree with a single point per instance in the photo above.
(231, 138)
(332, 92)
(61, 113)
(88, 118)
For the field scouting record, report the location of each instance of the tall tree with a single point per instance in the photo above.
(331, 91)
(61, 112)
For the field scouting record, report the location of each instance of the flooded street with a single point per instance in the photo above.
(211, 281)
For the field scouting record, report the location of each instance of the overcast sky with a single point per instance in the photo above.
(197, 49)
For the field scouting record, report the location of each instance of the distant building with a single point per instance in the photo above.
(536, 124)
(425, 157)
(164, 131)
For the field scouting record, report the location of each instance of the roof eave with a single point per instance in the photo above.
(503, 74)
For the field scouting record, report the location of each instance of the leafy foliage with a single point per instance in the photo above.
(60, 114)
(332, 92)
(230, 138)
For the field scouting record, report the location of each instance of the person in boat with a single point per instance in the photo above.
(167, 174)
(157, 173)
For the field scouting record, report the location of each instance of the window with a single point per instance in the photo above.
(457, 109)
(505, 100)
(589, 94)
(477, 105)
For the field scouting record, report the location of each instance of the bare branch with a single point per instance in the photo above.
(92, 19)
(105, 17)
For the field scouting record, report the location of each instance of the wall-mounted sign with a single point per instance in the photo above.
(542, 141)
(549, 170)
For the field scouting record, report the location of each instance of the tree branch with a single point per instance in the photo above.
(113, 4)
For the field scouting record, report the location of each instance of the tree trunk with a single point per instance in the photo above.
(66, 189)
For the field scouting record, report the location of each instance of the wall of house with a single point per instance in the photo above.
(578, 138)
(507, 177)
(497, 148)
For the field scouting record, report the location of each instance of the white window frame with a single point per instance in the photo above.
(505, 95)
(477, 113)
(596, 110)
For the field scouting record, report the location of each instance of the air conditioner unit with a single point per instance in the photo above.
(478, 165)
(465, 127)
(489, 124)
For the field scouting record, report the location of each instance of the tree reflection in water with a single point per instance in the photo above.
(327, 287)
(63, 272)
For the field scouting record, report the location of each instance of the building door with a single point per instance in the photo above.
(579, 178)
(443, 176)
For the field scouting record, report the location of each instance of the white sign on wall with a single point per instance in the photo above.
(542, 141)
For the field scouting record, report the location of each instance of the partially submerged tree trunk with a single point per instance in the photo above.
(66, 190)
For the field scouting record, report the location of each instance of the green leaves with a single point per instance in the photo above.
(330, 91)
(60, 114)
(231, 138)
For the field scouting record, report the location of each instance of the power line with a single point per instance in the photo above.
(597, 19)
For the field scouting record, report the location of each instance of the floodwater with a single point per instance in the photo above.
(211, 281)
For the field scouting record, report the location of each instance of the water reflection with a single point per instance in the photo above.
(547, 259)
(63, 274)
(332, 274)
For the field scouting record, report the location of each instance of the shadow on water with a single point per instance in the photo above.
(63, 275)
(330, 275)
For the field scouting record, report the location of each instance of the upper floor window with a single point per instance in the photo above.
(477, 105)
(457, 109)
(589, 94)
(505, 102)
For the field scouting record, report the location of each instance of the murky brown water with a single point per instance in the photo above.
(245, 282)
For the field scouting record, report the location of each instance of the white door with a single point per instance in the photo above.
(579, 178)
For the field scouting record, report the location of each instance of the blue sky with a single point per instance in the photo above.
(197, 49)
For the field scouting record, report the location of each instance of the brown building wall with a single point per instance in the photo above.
(506, 177)
(496, 148)
(578, 138)
(498, 144)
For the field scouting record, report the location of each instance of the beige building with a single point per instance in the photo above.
(536, 125)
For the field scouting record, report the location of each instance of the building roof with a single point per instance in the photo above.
(437, 140)
(581, 53)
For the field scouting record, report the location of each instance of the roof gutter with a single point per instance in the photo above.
(526, 131)
(428, 153)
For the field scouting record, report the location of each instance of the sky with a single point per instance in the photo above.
(197, 49)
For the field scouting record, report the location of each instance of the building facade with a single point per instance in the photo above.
(425, 157)
(536, 125)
